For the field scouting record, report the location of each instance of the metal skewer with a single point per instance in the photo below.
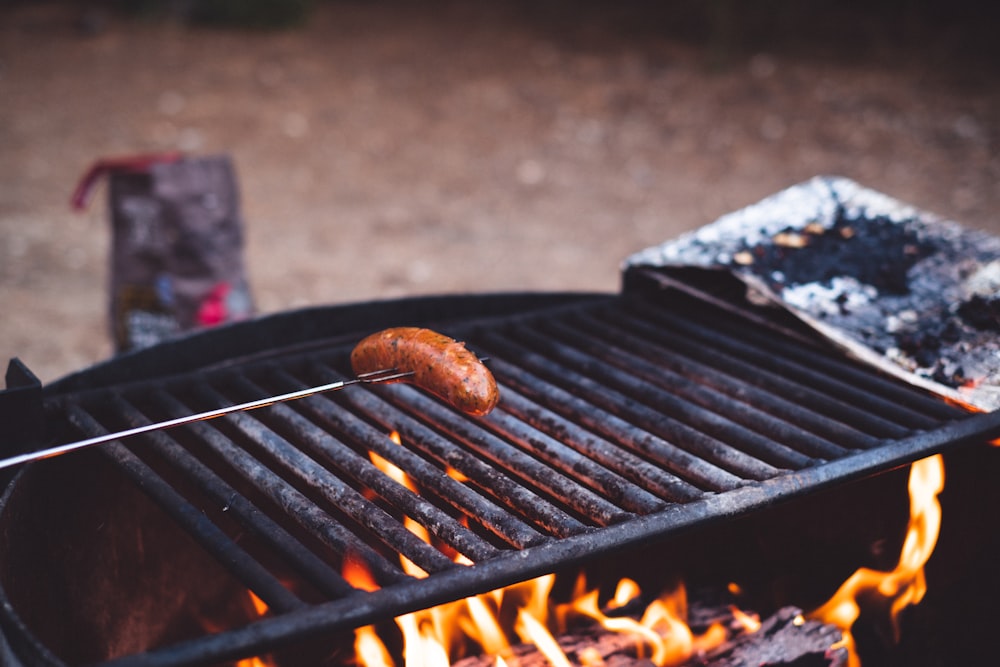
(386, 375)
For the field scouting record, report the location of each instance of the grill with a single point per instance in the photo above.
(625, 418)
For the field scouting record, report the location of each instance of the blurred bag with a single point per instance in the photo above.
(177, 245)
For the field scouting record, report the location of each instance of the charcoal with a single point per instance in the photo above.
(913, 294)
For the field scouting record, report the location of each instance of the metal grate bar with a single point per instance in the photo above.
(637, 470)
(552, 452)
(658, 381)
(571, 463)
(694, 470)
(839, 379)
(250, 572)
(250, 517)
(596, 393)
(332, 452)
(811, 431)
(827, 361)
(668, 405)
(535, 474)
(530, 507)
(295, 505)
(385, 528)
(813, 390)
(430, 478)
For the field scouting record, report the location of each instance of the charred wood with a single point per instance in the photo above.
(784, 639)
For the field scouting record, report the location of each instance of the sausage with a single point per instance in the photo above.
(440, 365)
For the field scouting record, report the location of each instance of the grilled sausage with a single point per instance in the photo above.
(440, 365)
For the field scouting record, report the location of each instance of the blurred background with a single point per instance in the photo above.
(387, 148)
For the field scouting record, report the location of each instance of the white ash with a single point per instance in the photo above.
(815, 202)
(841, 294)
(933, 318)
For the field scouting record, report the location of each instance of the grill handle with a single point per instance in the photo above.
(21, 411)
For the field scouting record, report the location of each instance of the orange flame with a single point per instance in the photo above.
(358, 575)
(906, 584)
(369, 648)
(253, 662)
(432, 637)
(259, 605)
(533, 631)
(668, 617)
(397, 474)
(261, 608)
(626, 591)
(588, 606)
(749, 622)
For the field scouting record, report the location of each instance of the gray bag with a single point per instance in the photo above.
(177, 245)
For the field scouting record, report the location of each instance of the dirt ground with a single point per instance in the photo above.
(392, 148)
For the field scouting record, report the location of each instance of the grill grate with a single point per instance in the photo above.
(622, 419)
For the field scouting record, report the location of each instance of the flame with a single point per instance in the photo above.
(253, 662)
(906, 584)
(261, 608)
(626, 591)
(483, 627)
(397, 474)
(259, 605)
(433, 637)
(392, 470)
(663, 627)
(424, 645)
(587, 605)
(533, 631)
(590, 657)
(357, 575)
(668, 617)
(749, 622)
(369, 648)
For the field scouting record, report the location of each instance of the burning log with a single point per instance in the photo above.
(784, 638)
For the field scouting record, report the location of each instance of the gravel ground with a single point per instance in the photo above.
(390, 148)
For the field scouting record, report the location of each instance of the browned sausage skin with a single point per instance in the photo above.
(440, 365)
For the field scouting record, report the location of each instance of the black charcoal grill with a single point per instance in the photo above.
(625, 419)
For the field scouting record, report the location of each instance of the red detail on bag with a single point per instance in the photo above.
(213, 309)
(126, 163)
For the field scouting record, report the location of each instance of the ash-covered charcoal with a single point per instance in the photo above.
(922, 347)
(874, 252)
(913, 294)
(981, 312)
